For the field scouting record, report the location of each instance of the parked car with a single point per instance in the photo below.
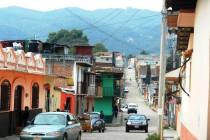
(52, 126)
(92, 122)
(136, 122)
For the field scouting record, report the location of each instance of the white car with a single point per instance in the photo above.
(129, 106)
(125, 90)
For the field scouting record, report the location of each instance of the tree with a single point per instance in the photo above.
(144, 52)
(99, 47)
(130, 56)
(70, 38)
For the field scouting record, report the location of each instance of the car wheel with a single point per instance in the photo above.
(65, 137)
(146, 130)
(126, 129)
(99, 130)
(79, 137)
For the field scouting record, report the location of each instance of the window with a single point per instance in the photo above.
(5, 95)
(35, 95)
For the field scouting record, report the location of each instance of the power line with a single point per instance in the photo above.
(127, 21)
(122, 21)
(108, 34)
(103, 18)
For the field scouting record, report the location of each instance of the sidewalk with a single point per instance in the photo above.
(116, 121)
(14, 137)
(170, 134)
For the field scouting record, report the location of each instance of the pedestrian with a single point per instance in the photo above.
(115, 109)
(101, 115)
(25, 115)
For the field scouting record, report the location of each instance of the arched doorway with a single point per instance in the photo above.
(35, 95)
(5, 96)
(47, 97)
(47, 100)
(18, 105)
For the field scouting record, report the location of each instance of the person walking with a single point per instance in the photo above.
(115, 109)
(25, 115)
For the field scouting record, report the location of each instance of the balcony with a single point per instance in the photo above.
(81, 88)
(108, 91)
(91, 90)
(98, 92)
(61, 58)
(104, 92)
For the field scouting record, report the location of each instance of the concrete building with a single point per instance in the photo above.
(192, 22)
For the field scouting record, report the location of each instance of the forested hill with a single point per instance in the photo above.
(126, 30)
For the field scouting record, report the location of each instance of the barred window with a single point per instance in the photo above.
(5, 95)
(35, 95)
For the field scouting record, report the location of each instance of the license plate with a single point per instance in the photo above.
(37, 138)
(136, 126)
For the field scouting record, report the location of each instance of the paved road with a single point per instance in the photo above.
(118, 133)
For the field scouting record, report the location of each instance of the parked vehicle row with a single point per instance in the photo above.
(91, 121)
(61, 126)
(52, 126)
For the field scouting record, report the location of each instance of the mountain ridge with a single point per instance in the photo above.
(126, 30)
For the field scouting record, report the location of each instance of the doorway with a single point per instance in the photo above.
(68, 104)
(18, 106)
(47, 100)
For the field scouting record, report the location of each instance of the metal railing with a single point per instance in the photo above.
(108, 91)
(81, 88)
(77, 58)
(91, 90)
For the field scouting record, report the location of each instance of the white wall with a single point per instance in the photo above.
(194, 111)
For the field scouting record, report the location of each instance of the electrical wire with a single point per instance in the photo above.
(180, 78)
(104, 32)
(119, 28)
(101, 19)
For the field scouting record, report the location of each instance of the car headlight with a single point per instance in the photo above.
(144, 122)
(56, 133)
(128, 123)
(23, 133)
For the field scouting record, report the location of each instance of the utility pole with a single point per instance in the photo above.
(161, 96)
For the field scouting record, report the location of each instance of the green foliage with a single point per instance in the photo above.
(99, 47)
(144, 52)
(65, 37)
(130, 56)
(153, 136)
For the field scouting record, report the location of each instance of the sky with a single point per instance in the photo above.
(47, 5)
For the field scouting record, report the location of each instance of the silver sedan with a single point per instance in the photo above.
(52, 126)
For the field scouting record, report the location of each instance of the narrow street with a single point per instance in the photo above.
(118, 133)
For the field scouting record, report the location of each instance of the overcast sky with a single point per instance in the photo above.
(46, 5)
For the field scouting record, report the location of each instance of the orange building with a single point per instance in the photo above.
(22, 81)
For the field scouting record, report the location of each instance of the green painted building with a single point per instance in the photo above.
(105, 103)
(109, 92)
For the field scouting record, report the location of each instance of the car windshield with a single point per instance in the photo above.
(49, 119)
(136, 117)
